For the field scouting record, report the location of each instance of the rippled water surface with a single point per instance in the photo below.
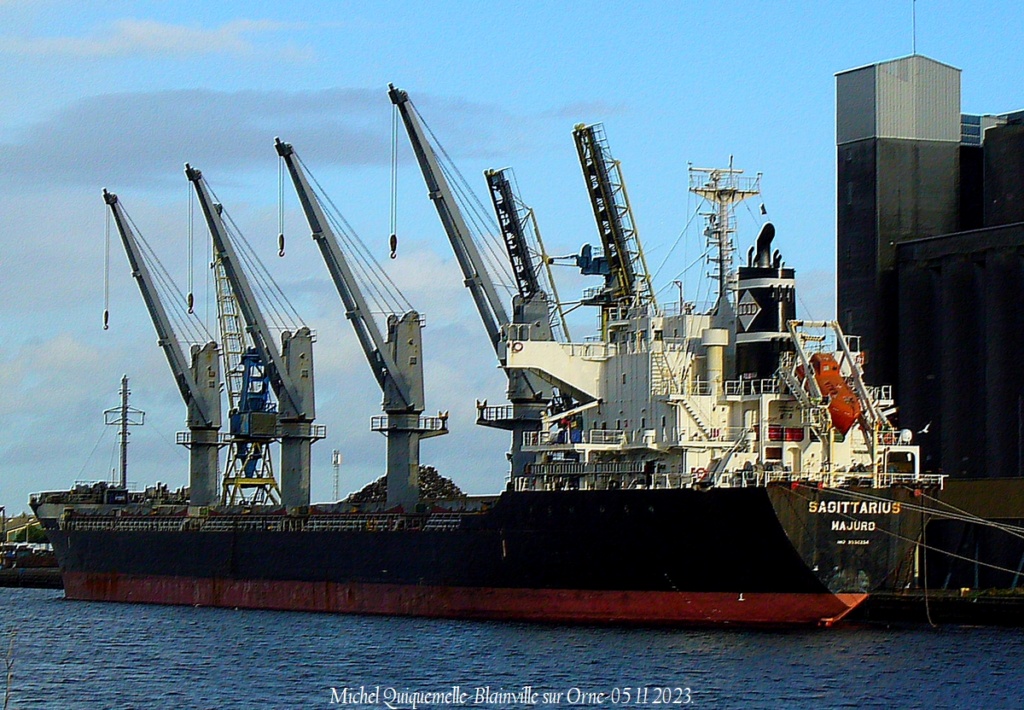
(86, 655)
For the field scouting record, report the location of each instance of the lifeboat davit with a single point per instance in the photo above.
(844, 406)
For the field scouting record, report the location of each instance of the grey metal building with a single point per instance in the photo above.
(930, 251)
(898, 162)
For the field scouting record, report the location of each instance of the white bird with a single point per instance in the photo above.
(926, 428)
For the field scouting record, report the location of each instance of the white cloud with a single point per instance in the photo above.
(130, 37)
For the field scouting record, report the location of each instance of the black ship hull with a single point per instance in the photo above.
(785, 554)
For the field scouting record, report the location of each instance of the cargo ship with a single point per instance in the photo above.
(684, 465)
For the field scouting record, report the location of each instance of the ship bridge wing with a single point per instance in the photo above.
(576, 368)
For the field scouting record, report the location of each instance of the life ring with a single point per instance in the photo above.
(700, 474)
(517, 346)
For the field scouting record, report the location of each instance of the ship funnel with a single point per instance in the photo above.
(764, 245)
(766, 301)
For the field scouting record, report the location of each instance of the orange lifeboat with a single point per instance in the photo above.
(843, 405)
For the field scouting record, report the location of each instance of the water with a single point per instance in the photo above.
(88, 655)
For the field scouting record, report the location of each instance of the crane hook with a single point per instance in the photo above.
(394, 245)
(106, 319)
(191, 300)
(280, 244)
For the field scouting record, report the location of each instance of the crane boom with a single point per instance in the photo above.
(528, 395)
(289, 370)
(513, 233)
(288, 396)
(382, 364)
(397, 363)
(198, 381)
(628, 280)
(166, 338)
(485, 295)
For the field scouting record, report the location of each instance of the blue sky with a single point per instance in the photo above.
(120, 95)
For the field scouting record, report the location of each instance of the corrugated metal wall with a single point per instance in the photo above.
(917, 98)
(914, 98)
(855, 105)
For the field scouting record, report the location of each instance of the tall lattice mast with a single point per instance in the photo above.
(724, 188)
(249, 473)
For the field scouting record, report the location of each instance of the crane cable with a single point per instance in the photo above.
(377, 285)
(280, 208)
(393, 239)
(106, 273)
(190, 298)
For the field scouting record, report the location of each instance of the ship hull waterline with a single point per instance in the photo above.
(543, 605)
(683, 558)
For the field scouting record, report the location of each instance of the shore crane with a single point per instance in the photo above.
(198, 380)
(396, 361)
(252, 413)
(528, 394)
(289, 370)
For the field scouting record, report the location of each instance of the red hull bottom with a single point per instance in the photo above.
(550, 605)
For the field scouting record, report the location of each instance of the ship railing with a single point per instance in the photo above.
(603, 481)
(382, 422)
(521, 332)
(495, 413)
(752, 387)
(368, 522)
(567, 438)
(699, 387)
(535, 439)
(890, 437)
(576, 469)
(443, 521)
(608, 437)
(184, 438)
(853, 478)
(729, 433)
(673, 309)
(132, 524)
(912, 479)
(880, 393)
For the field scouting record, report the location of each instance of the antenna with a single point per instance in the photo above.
(913, 26)
(123, 417)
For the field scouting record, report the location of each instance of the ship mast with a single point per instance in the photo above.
(724, 188)
(123, 417)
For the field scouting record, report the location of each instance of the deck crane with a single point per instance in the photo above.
(528, 394)
(627, 281)
(396, 362)
(289, 370)
(513, 218)
(198, 381)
